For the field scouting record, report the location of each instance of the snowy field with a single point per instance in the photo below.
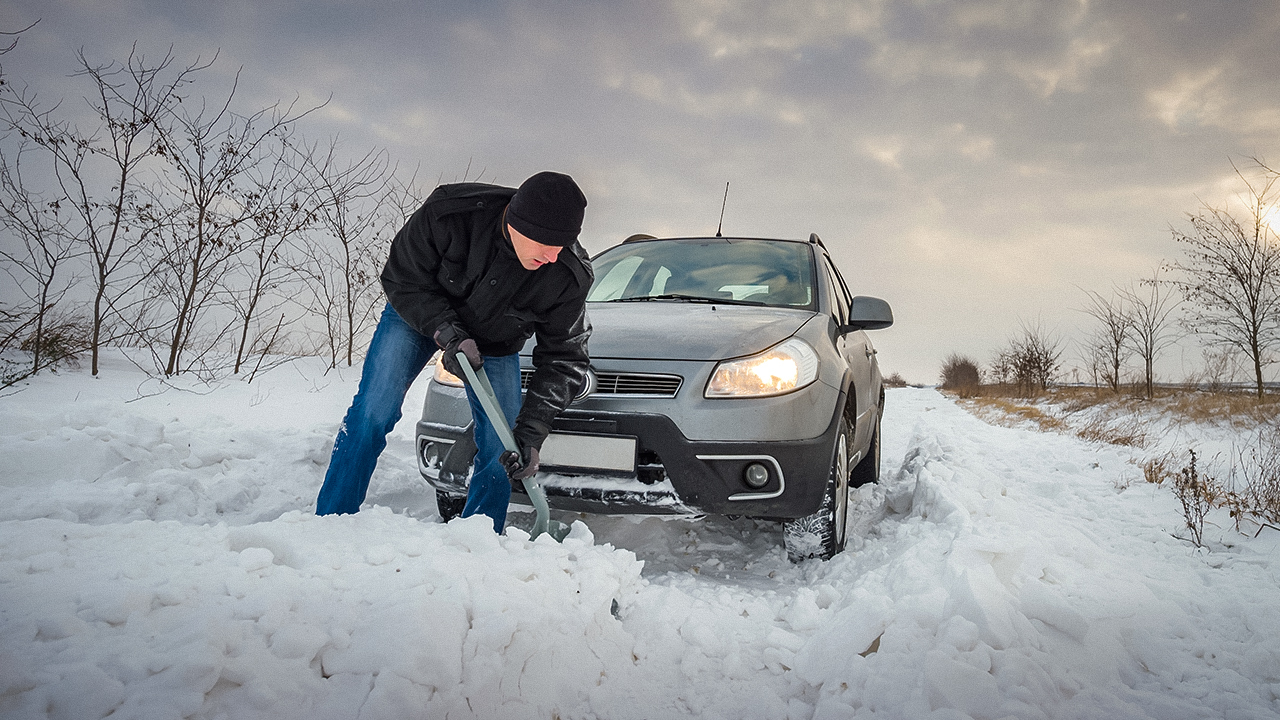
(159, 559)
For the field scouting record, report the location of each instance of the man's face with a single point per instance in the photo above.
(532, 254)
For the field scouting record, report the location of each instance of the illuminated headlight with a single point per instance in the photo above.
(442, 376)
(776, 371)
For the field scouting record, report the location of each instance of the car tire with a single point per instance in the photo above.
(822, 534)
(449, 506)
(867, 470)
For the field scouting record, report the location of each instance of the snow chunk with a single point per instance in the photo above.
(255, 558)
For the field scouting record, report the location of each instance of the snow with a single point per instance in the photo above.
(159, 559)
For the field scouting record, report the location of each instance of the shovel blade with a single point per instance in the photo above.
(543, 522)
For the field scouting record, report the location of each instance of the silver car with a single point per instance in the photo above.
(728, 376)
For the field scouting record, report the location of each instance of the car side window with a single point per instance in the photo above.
(836, 295)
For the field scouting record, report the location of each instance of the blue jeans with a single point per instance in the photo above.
(397, 354)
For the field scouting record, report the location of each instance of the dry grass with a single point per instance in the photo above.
(1238, 409)
(1127, 430)
(1251, 490)
(1002, 411)
(1156, 470)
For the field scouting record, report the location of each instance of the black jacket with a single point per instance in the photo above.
(452, 263)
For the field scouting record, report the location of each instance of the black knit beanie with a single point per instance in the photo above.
(548, 209)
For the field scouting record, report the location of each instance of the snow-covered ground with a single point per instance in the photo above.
(159, 559)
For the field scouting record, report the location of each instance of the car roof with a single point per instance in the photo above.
(648, 238)
(813, 240)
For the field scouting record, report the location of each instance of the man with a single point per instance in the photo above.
(478, 269)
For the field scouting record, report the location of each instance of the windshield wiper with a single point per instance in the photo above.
(687, 298)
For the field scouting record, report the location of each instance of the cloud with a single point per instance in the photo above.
(1189, 99)
(1070, 70)
(728, 30)
(970, 160)
(1213, 97)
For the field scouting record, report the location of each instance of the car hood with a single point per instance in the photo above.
(687, 331)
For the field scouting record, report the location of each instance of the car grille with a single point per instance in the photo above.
(624, 383)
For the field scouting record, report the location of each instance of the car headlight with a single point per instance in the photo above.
(779, 370)
(442, 376)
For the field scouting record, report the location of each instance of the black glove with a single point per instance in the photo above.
(529, 435)
(452, 339)
(520, 465)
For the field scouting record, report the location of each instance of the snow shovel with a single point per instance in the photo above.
(479, 381)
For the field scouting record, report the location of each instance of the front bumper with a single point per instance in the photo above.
(673, 474)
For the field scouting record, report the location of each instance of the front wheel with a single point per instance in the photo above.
(822, 534)
(449, 506)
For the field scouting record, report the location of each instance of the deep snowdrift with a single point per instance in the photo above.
(159, 559)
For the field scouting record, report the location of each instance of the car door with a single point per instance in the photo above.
(854, 347)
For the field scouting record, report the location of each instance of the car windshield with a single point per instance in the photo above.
(750, 272)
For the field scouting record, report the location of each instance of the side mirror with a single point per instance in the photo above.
(868, 313)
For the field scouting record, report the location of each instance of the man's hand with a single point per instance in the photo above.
(452, 340)
(520, 465)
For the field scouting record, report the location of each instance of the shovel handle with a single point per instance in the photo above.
(479, 381)
(483, 389)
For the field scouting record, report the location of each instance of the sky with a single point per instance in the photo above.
(979, 165)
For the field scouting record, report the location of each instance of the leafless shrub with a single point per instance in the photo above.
(281, 207)
(1031, 361)
(41, 254)
(184, 225)
(13, 365)
(1195, 493)
(98, 172)
(1219, 371)
(961, 374)
(1254, 486)
(61, 339)
(360, 205)
(895, 380)
(211, 153)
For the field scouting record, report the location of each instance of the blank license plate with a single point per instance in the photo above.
(589, 452)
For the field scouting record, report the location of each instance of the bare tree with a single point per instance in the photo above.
(1110, 343)
(97, 171)
(1152, 306)
(1231, 277)
(37, 263)
(280, 206)
(1031, 361)
(357, 206)
(209, 150)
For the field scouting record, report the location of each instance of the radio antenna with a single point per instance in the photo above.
(722, 204)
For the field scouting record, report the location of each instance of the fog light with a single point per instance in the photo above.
(755, 476)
